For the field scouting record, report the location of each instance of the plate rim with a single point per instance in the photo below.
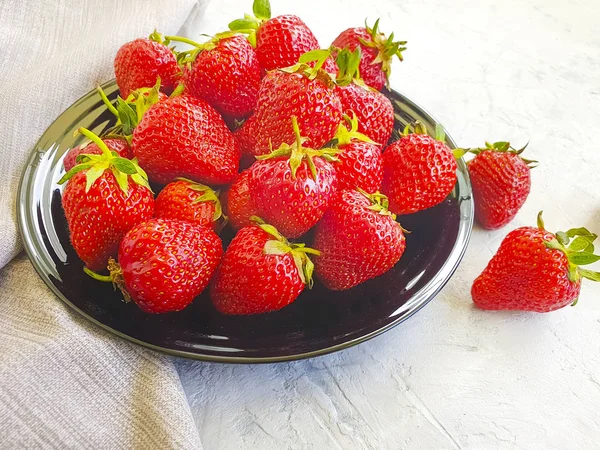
(456, 255)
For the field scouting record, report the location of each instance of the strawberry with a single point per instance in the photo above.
(279, 41)
(377, 51)
(419, 171)
(118, 145)
(302, 92)
(164, 264)
(501, 182)
(279, 272)
(186, 200)
(359, 163)
(246, 138)
(358, 239)
(141, 62)
(535, 270)
(224, 72)
(237, 203)
(374, 110)
(105, 196)
(293, 186)
(184, 136)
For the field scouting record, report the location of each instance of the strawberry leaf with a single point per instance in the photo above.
(589, 274)
(73, 171)
(273, 247)
(580, 243)
(93, 174)
(578, 232)
(124, 165)
(562, 237)
(122, 180)
(583, 258)
(262, 9)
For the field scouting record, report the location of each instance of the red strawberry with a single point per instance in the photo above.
(501, 182)
(184, 136)
(188, 201)
(284, 94)
(374, 110)
(358, 239)
(114, 145)
(279, 41)
(105, 196)
(246, 138)
(293, 186)
(419, 171)
(535, 270)
(164, 264)
(237, 203)
(377, 52)
(224, 72)
(359, 163)
(279, 272)
(141, 62)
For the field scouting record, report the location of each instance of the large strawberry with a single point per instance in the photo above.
(164, 264)
(303, 92)
(223, 71)
(377, 52)
(501, 182)
(186, 200)
(141, 62)
(535, 270)
(279, 272)
(279, 41)
(237, 203)
(293, 186)
(419, 171)
(105, 196)
(359, 164)
(118, 145)
(184, 136)
(358, 239)
(374, 110)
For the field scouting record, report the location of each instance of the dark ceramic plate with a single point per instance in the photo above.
(319, 322)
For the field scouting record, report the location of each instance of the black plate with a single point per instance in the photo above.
(320, 321)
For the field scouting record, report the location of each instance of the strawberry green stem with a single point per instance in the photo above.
(107, 102)
(184, 40)
(97, 276)
(96, 140)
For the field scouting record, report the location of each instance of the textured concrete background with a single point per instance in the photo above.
(452, 376)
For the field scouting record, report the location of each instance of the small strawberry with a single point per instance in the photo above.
(501, 182)
(118, 145)
(237, 203)
(164, 264)
(293, 186)
(279, 272)
(184, 136)
(535, 270)
(246, 138)
(359, 163)
(419, 171)
(377, 52)
(358, 238)
(186, 200)
(223, 71)
(141, 62)
(300, 91)
(105, 196)
(374, 110)
(279, 41)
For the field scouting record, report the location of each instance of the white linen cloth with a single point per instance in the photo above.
(64, 383)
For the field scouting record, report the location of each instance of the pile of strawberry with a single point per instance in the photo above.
(262, 131)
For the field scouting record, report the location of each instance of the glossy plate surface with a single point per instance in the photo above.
(319, 322)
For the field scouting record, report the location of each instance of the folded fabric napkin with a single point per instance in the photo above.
(64, 383)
